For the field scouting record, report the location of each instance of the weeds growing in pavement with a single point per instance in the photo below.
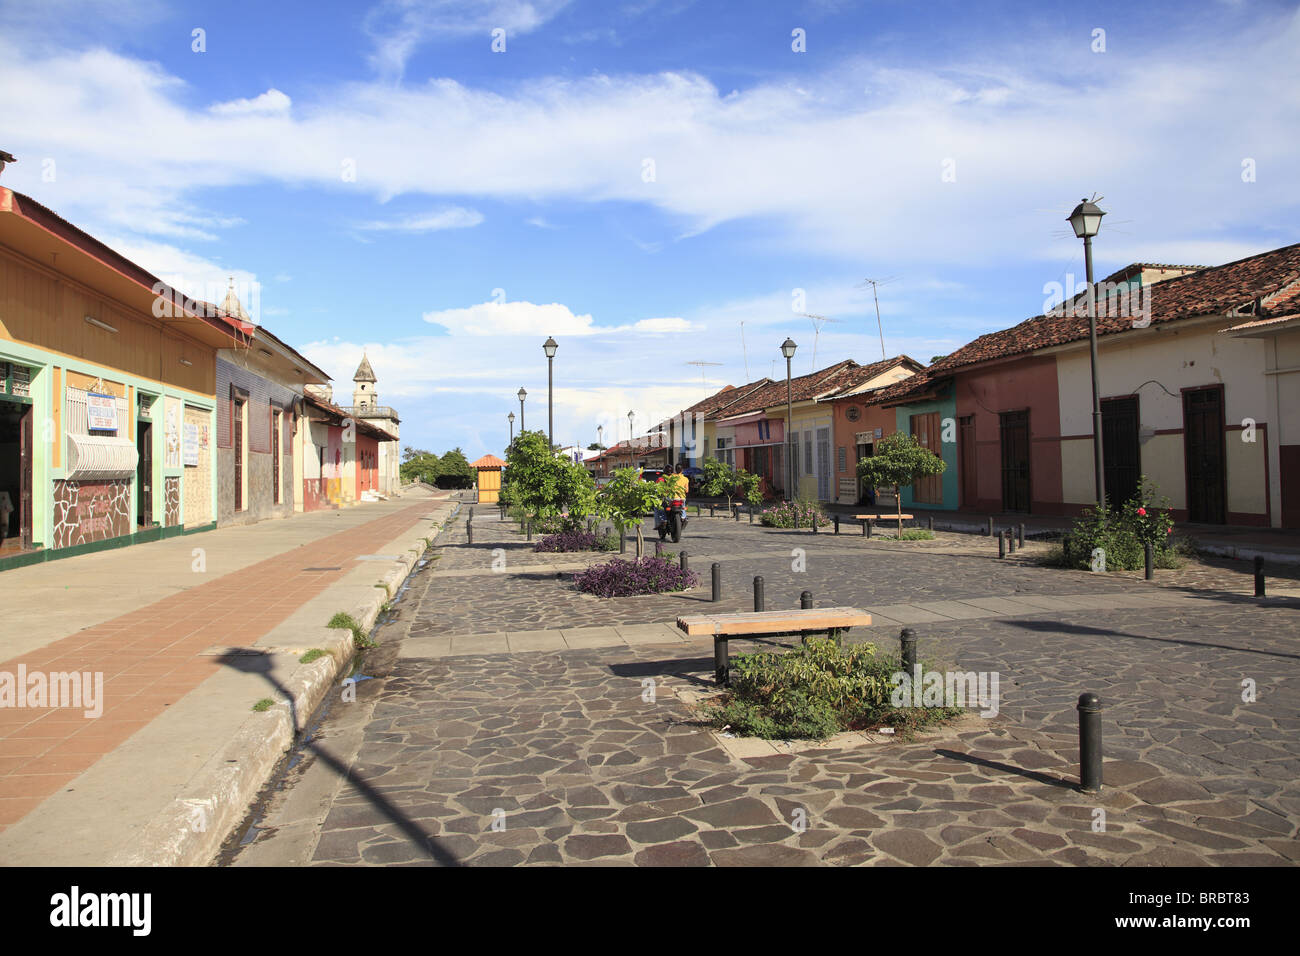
(348, 622)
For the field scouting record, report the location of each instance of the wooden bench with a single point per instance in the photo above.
(867, 519)
(742, 626)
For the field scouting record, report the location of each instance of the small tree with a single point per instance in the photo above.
(898, 461)
(625, 501)
(454, 470)
(419, 465)
(749, 487)
(545, 485)
(718, 480)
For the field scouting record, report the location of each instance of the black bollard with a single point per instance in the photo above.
(990, 531)
(796, 520)
(1011, 541)
(1259, 575)
(684, 562)
(717, 582)
(908, 640)
(659, 549)
(1149, 560)
(1002, 546)
(759, 603)
(751, 514)
(469, 532)
(805, 600)
(1021, 535)
(528, 528)
(1089, 743)
(930, 524)
(837, 524)
(866, 527)
(736, 511)
(710, 511)
(814, 523)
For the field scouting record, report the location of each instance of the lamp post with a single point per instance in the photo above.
(549, 347)
(511, 418)
(522, 396)
(787, 349)
(631, 439)
(1086, 220)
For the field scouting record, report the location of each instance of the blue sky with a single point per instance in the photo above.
(639, 178)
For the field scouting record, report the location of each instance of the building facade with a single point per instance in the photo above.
(107, 414)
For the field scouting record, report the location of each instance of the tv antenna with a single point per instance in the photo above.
(817, 321)
(702, 366)
(744, 350)
(875, 283)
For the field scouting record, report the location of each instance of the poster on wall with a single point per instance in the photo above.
(101, 412)
(203, 437)
(172, 434)
(191, 445)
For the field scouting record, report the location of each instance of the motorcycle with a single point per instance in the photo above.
(674, 519)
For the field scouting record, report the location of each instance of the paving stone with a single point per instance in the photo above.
(680, 853)
(908, 846)
(582, 846)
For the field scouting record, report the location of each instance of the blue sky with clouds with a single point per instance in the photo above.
(639, 178)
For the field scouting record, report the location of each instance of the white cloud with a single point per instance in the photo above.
(454, 217)
(819, 168)
(270, 102)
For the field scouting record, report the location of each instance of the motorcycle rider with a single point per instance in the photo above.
(675, 488)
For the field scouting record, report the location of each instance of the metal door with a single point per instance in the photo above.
(1203, 448)
(1015, 460)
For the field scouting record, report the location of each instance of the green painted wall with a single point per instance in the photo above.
(947, 409)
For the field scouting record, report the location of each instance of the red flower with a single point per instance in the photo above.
(1142, 512)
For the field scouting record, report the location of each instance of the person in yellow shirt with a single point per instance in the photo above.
(675, 487)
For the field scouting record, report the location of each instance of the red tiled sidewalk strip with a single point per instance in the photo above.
(149, 658)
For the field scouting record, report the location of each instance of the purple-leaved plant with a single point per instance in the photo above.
(619, 578)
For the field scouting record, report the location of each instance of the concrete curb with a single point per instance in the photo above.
(192, 828)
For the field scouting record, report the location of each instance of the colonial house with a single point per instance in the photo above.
(260, 423)
(693, 433)
(857, 424)
(1197, 378)
(107, 394)
(340, 455)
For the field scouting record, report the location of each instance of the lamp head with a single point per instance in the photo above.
(1086, 219)
(549, 347)
(788, 347)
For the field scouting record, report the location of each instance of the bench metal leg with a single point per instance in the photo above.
(720, 664)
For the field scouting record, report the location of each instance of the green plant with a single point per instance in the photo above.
(264, 704)
(626, 499)
(784, 515)
(311, 655)
(349, 623)
(543, 487)
(898, 461)
(1122, 533)
(915, 534)
(814, 691)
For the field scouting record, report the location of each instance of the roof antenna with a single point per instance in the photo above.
(744, 350)
(701, 365)
(879, 326)
(817, 321)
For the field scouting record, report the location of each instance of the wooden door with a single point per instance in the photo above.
(1120, 449)
(238, 426)
(1015, 460)
(925, 429)
(966, 462)
(1204, 452)
(144, 473)
(275, 457)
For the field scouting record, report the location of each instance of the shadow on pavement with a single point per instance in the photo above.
(1061, 627)
(1008, 768)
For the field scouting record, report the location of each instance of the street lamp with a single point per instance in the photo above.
(787, 349)
(549, 347)
(631, 439)
(522, 396)
(511, 417)
(1086, 220)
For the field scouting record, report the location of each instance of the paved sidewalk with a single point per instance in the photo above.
(188, 634)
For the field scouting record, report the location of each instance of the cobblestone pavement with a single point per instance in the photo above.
(561, 752)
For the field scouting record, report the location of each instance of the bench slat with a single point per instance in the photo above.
(774, 622)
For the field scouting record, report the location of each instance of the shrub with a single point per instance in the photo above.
(577, 541)
(783, 515)
(814, 691)
(619, 578)
(1122, 533)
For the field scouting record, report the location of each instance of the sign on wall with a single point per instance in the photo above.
(191, 445)
(101, 412)
(172, 434)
